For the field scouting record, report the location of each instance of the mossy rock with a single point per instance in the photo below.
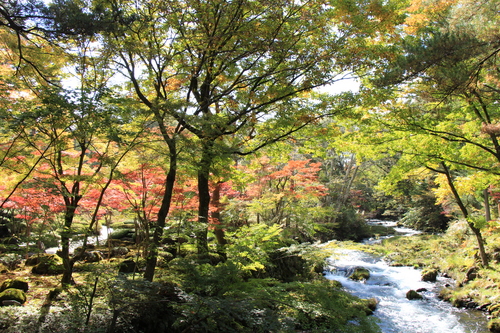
(48, 265)
(127, 266)
(121, 233)
(494, 310)
(494, 325)
(368, 306)
(471, 274)
(92, 256)
(119, 251)
(13, 294)
(429, 275)
(16, 284)
(360, 274)
(40, 257)
(412, 294)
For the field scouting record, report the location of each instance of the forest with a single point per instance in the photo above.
(189, 165)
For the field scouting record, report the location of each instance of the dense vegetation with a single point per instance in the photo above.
(217, 142)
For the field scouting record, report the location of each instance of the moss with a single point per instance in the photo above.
(16, 284)
(412, 294)
(368, 306)
(121, 233)
(359, 274)
(49, 264)
(429, 274)
(494, 310)
(335, 284)
(494, 325)
(13, 294)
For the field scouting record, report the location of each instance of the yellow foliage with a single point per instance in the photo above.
(422, 12)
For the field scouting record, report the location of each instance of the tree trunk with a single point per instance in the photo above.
(218, 227)
(465, 213)
(203, 211)
(204, 198)
(351, 171)
(71, 205)
(152, 257)
(487, 210)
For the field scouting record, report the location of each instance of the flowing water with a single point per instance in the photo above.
(103, 236)
(389, 286)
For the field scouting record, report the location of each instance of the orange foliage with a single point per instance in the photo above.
(423, 12)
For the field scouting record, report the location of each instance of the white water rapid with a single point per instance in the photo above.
(395, 312)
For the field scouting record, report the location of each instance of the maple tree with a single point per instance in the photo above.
(286, 194)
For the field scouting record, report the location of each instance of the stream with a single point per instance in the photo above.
(389, 285)
(103, 236)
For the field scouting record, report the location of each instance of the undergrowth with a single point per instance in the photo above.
(263, 286)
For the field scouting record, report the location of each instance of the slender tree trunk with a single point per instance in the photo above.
(216, 216)
(204, 198)
(487, 210)
(465, 213)
(152, 257)
(71, 205)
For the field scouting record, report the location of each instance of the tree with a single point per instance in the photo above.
(140, 189)
(247, 64)
(441, 113)
(235, 80)
(237, 63)
(286, 194)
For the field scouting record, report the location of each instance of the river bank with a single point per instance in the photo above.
(453, 255)
(389, 286)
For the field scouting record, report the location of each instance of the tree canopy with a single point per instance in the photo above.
(198, 126)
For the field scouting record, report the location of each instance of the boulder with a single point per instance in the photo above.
(429, 275)
(494, 310)
(370, 304)
(121, 233)
(9, 302)
(38, 258)
(412, 294)
(494, 325)
(471, 274)
(335, 284)
(92, 256)
(12, 294)
(127, 266)
(119, 251)
(495, 256)
(48, 265)
(359, 274)
(16, 284)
